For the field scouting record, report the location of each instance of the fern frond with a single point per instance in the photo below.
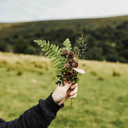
(48, 52)
(53, 51)
(67, 44)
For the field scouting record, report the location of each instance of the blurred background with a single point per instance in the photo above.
(26, 75)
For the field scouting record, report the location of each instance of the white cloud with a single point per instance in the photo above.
(31, 10)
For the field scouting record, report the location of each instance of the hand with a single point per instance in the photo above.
(61, 93)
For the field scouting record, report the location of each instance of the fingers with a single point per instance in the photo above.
(67, 86)
(73, 96)
(74, 86)
(73, 93)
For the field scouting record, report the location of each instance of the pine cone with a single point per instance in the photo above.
(75, 64)
(71, 55)
(64, 52)
(67, 65)
(70, 61)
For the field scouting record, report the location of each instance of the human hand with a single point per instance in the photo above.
(61, 93)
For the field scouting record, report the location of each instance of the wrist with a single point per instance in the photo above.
(55, 100)
(50, 104)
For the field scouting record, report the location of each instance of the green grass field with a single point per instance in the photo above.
(102, 100)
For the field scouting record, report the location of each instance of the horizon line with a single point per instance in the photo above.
(62, 19)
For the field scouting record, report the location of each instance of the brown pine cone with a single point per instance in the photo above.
(67, 65)
(71, 55)
(70, 61)
(75, 64)
(64, 52)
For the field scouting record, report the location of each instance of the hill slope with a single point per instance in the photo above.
(105, 36)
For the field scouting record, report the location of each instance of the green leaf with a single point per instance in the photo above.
(67, 44)
(48, 52)
(51, 46)
(48, 45)
(53, 51)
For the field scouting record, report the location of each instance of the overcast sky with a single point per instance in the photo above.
(35, 10)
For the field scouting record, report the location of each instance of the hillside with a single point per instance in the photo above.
(105, 36)
(102, 95)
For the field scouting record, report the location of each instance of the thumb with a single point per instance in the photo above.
(67, 86)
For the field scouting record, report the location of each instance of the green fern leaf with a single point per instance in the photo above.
(53, 51)
(48, 52)
(67, 44)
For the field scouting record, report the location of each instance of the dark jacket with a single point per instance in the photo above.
(39, 116)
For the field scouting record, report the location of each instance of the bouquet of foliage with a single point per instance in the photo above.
(65, 60)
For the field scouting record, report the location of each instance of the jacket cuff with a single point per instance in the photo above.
(50, 104)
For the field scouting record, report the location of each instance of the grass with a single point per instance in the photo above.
(99, 104)
(116, 73)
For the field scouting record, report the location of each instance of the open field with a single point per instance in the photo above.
(102, 100)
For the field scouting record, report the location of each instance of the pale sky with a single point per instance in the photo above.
(38, 10)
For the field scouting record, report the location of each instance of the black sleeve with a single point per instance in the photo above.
(39, 116)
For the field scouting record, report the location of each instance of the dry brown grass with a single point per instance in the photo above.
(35, 63)
(24, 62)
